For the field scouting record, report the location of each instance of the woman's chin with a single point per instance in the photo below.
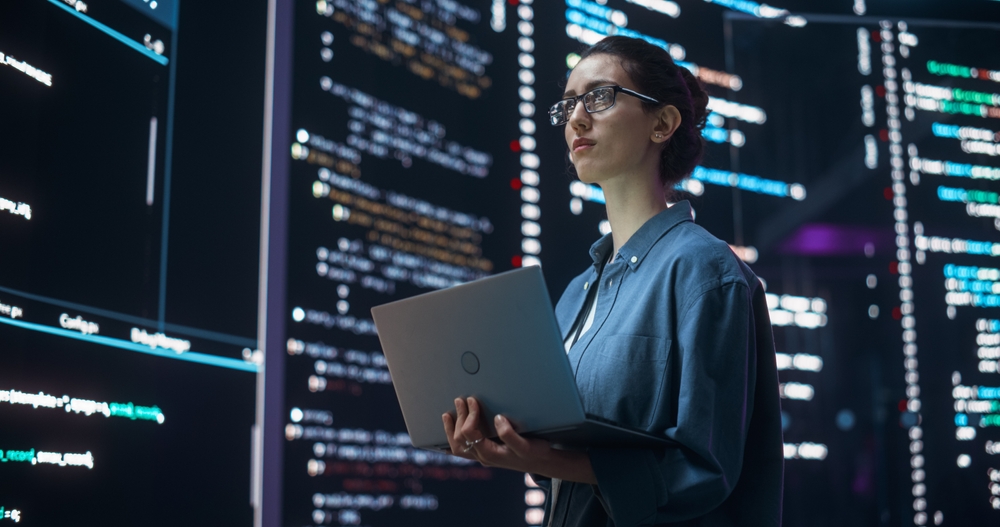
(588, 176)
(583, 172)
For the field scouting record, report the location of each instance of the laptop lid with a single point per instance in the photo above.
(496, 339)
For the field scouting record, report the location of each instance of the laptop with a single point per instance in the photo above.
(495, 339)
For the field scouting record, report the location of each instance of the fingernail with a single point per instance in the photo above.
(499, 419)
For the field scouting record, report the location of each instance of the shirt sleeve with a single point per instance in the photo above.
(716, 358)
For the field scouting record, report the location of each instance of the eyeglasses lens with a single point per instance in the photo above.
(596, 100)
(599, 100)
(560, 112)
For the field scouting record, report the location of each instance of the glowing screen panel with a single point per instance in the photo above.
(129, 197)
(412, 163)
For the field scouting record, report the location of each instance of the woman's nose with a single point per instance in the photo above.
(579, 117)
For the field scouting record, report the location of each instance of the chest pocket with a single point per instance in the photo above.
(625, 377)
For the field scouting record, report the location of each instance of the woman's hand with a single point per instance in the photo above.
(468, 437)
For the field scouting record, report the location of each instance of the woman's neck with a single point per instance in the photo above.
(631, 202)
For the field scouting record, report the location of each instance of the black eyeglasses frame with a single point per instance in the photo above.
(614, 100)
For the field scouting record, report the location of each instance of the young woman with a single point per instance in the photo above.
(667, 331)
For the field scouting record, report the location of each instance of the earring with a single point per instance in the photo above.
(659, 135)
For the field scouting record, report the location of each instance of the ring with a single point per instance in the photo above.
(469, 445)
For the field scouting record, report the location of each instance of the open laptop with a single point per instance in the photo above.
(495, 339)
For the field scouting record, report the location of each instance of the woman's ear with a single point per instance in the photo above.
(668, 119)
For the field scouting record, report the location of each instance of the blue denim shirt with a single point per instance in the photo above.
(681, 345)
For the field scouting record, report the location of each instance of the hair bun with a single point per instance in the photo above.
(699, 97)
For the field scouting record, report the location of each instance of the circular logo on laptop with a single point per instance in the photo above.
(470, 362)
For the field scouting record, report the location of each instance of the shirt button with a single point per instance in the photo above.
(586, 285)
(609, 282)
(635, 259)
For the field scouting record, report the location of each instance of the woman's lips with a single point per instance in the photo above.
(580, 144)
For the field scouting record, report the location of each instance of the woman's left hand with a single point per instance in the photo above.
(468, 437)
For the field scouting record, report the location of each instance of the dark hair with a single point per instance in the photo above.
(655, 74)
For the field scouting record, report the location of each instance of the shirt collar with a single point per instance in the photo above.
(638, 246)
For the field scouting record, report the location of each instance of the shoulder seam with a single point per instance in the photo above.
(684, 308)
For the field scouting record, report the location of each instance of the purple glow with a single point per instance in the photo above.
(823, 239)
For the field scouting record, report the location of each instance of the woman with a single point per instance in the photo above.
(667, 331)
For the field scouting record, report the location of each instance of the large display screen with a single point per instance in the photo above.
(405, 145)
(129, 217)
(421, 158)
(942, 95)
(894, 115)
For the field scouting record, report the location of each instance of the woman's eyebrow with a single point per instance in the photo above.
(590, 86)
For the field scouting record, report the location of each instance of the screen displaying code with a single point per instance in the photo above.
(129, 216)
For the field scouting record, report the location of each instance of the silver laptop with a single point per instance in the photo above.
(496, 339)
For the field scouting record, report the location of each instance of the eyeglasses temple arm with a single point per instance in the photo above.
(639, 95)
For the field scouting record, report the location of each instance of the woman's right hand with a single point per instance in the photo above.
(468, 437)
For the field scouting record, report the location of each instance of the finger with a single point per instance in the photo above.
(449, 423)
(461, 414)
(449, 429)
(497, 454)
(455, 437)
(490, 453)
(457, 445)
(472, 428)
(517, 443)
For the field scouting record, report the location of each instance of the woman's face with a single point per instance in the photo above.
(612, 143)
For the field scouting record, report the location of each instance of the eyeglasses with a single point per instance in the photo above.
(596, 100)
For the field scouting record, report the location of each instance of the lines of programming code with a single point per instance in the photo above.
(807, 313)
(33, 457)
(383, 470)
(82, 406)
(129, 359)
(400, 244)
(940, 116)
(423, 37)
(18, 209)
(13, 515)
(25, 68)
(384, 130)
(12, 311)
(974, 140)
(890, 88)
(401, 156)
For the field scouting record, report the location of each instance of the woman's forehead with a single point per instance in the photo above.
(596, 70)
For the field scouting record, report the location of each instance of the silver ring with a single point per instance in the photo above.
(469, 445)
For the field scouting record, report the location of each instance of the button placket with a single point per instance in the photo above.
(611, 279)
